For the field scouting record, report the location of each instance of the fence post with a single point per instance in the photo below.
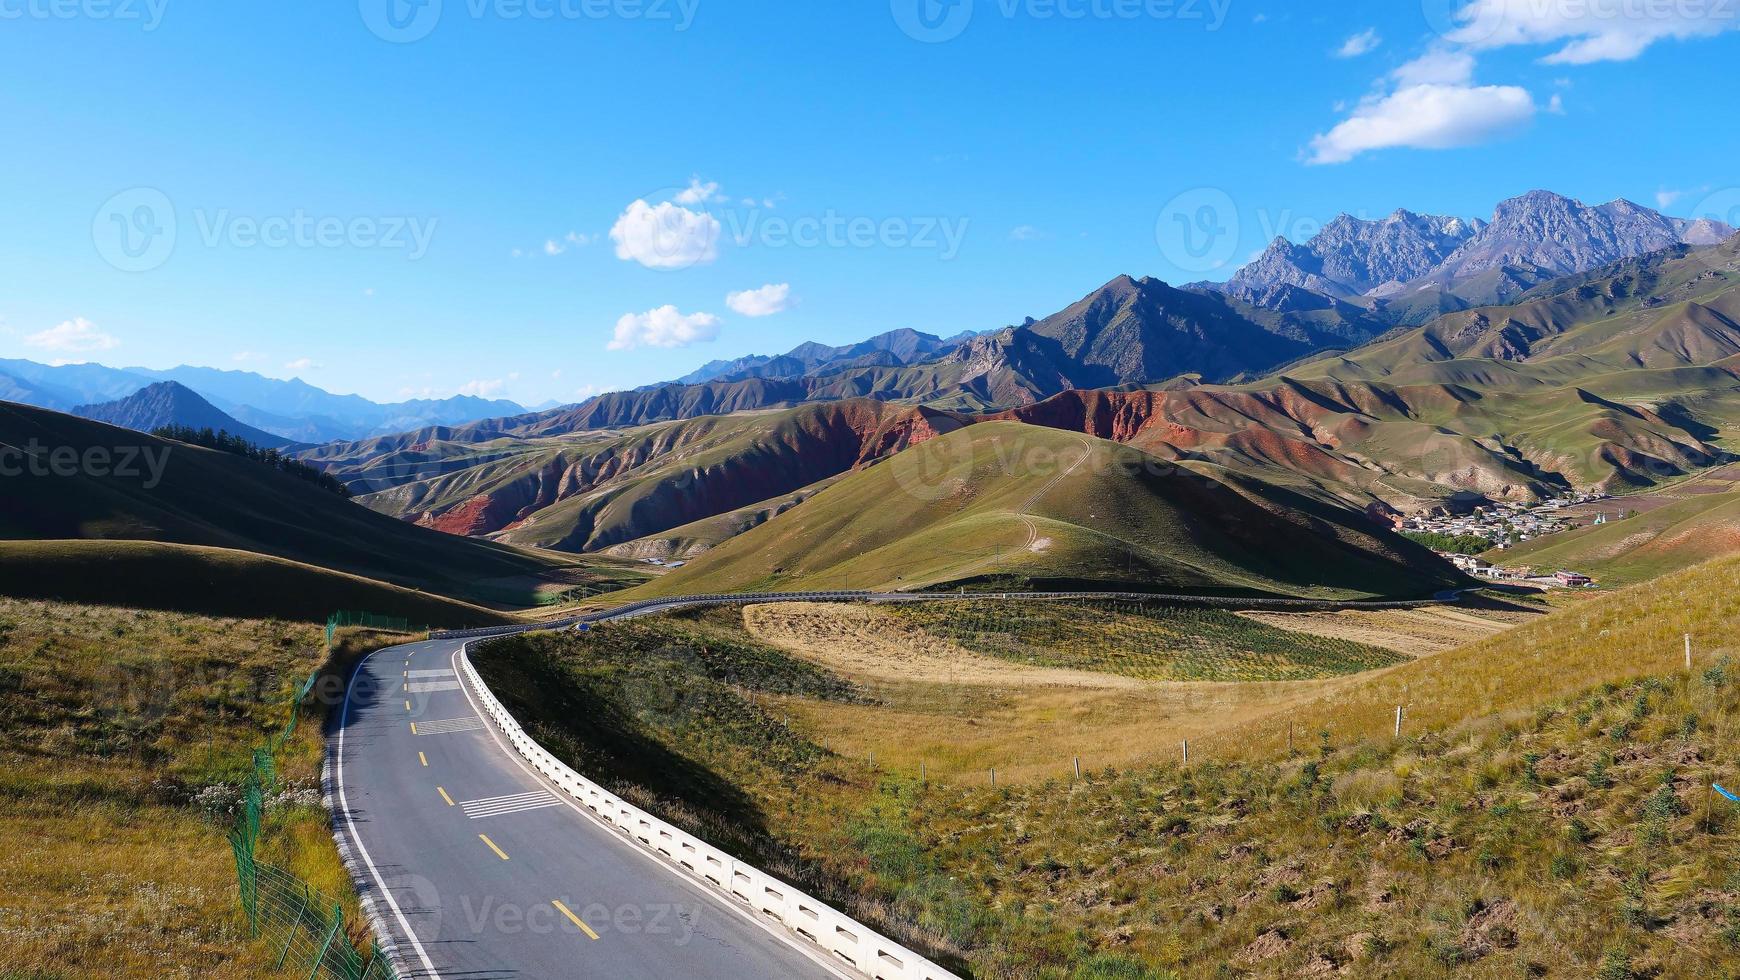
(1688, 653)
(1398, 721)
(331, 934)
(295, 924)
(1187, 751)
(1078, 767)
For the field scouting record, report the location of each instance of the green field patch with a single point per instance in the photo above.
(1152, 641)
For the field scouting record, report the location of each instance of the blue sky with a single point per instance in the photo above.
(374, 207)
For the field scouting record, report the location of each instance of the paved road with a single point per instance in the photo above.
(465, 853)
(477, 868)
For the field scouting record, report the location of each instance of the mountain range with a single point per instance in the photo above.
(294, 410)
(167, 403)
(1354, 282)
(1411, 266)
(1623, 377)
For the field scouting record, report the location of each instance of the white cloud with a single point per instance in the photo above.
(1666, 198)
(483, 389)
(553, 247)
(1438, 66)
(1027, 233)
(665, 236)
(1613, 30)
(75, 336)
(1556, 104)
(248, 357)
(1427, 117)
(302, 364)
(664, 327)
(698, 192)
(766, 301)
(1362, 43)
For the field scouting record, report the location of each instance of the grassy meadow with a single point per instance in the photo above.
(1148, 641)
(126, 736)
(1545, 811)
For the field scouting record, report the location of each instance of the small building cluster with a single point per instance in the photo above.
(1481, 568)
(1504, 524)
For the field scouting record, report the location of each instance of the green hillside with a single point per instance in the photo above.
(1004, 501)
(213, 582)
(593, 491)
(183, 494)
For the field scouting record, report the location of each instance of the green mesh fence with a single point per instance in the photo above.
(305, 929)
(344, 618)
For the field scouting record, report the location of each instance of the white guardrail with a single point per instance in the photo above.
(812, 922)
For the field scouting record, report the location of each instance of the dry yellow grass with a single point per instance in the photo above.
(1416, 632)
(1612, 638)
(125, 733)
(959, 714)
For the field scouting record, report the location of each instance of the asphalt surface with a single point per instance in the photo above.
(465, 853)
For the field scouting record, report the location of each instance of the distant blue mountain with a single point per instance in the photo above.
(292, 410)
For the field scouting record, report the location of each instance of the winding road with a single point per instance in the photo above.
(473, 866)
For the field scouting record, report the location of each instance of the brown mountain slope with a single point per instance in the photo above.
(599, 490)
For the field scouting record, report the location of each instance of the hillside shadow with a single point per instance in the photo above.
(600, 728)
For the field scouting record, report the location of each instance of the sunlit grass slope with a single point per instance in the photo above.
(214, 582)
(1011, 502)
(124, 737)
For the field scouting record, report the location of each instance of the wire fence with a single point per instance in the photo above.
(304, 926)
(343, 618)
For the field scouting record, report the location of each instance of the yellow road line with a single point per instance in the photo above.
(576, 920)
(423, 759)
(407, 704)
(413, 728)
(444, 795)
(491, 844)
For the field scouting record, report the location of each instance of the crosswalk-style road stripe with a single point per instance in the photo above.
(449, 726)
(429, 673)
(500, 806)
(424, 687)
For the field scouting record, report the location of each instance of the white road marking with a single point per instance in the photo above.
(424, 687)
(428, 673)
(449, 726)
(501, 806)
